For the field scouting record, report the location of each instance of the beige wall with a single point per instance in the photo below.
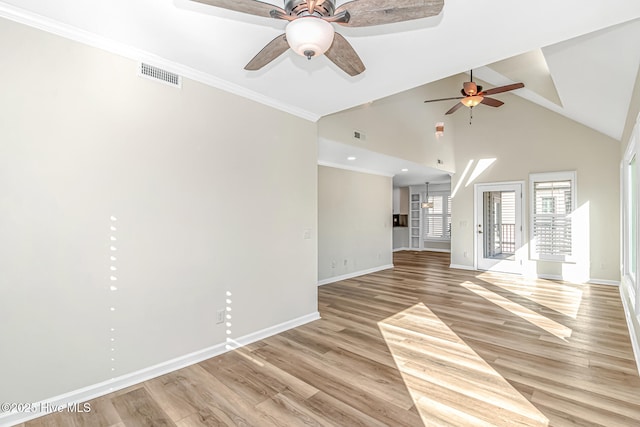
(401, 126)
(206, 202)
(524, 138)
(354, 222)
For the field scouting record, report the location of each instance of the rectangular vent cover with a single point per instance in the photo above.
(359, 135)
(160, 75)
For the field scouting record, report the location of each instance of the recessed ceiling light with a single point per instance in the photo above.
(351, 158)
(404, 170)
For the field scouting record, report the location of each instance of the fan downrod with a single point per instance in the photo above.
(301, 8)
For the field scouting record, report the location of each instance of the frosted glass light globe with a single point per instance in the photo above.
(309, 36)
(472, 101)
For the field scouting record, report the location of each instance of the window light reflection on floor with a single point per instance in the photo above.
(551, 326)
(566, 302)
(448, 381)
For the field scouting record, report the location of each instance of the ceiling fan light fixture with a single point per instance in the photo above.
(470, 88)
(471, 101)
(309, 36)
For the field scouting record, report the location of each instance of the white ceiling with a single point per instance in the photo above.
(592, 60)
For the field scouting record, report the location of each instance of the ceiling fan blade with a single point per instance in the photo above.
(252, 7)
(271, 51)
(501, 89)
(454, 108)
(375, 12)
(344, 56)
(491, 102)
(444, 99)
(338, 18)
(279, 14)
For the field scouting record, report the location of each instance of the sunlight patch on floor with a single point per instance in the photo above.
(566, 301)
(449, 382)
(551, 326)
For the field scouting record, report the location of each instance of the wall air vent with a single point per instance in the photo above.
(359, 135)
(159, 75)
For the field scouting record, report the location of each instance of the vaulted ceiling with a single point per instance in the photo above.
(591, 60)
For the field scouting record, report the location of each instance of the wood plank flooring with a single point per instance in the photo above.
(418, 345)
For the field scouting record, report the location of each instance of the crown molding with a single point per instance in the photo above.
(70, 32)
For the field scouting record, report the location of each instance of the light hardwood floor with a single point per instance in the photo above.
(420, 344)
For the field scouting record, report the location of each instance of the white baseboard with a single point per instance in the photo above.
(423, 250)
(603, 282)
(590, 281)
(100, 389)
(633, 334)
(462, 267)
(354, 274)
(275, 329)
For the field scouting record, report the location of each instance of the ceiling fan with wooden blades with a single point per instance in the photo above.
(310, 31)
(473, 95)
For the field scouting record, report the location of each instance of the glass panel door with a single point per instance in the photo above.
(498, 227)
(499, 224)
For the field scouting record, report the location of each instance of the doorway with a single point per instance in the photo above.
(498, 228)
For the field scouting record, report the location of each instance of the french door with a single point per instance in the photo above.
(498, 227)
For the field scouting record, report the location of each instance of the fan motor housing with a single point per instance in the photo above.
(299, 7)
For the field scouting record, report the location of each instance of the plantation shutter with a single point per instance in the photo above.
(437, 219)
(551, 218)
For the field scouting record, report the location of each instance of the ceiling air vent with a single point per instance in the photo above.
(160, 75)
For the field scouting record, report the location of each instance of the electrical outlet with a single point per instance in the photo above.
(220, 316)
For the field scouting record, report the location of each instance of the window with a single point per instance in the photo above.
(633, 218)
(437, 220)
(552, 205)
(630, 232)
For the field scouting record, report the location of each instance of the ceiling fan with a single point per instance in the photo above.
(472, 95)
(310, 33)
